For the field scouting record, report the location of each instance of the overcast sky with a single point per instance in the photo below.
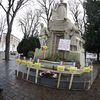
(16, 29)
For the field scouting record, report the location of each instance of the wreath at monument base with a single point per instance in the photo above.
(48, 74)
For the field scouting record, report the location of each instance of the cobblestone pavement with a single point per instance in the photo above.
(17, 89)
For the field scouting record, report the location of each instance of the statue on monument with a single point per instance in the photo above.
(61, 11)
(44, 34)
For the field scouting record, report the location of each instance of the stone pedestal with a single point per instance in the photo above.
(59, 29)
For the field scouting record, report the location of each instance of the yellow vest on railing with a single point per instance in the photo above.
(29, 64)
(37, 65)
(86, 69)
(60, 68)
(24, 62)
(72, 69)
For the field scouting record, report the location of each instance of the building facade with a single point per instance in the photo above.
(14, 41)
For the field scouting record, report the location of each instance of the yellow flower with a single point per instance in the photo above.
(60, 68)
(37, 65)
(18, 61)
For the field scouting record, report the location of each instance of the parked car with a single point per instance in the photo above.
(12, 52)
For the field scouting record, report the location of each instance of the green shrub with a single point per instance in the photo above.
(56, 57)
(30, 54)
(27, 45)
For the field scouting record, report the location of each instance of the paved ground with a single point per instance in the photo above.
(17, 89)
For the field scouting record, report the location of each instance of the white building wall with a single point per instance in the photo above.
(14, 41)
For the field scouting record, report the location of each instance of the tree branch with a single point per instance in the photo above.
(3, 7)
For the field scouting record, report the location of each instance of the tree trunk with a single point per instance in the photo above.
(98, 56)
(48, 25)
(85, 56)
(7, 45)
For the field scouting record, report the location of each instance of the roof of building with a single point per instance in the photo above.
(14, 36)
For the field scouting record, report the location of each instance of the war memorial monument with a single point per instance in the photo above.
(63, 39)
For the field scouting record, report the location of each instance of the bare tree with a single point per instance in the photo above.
(74, 8)
(47, 6)
(82, 2)
(29, 24)
(11, 11)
